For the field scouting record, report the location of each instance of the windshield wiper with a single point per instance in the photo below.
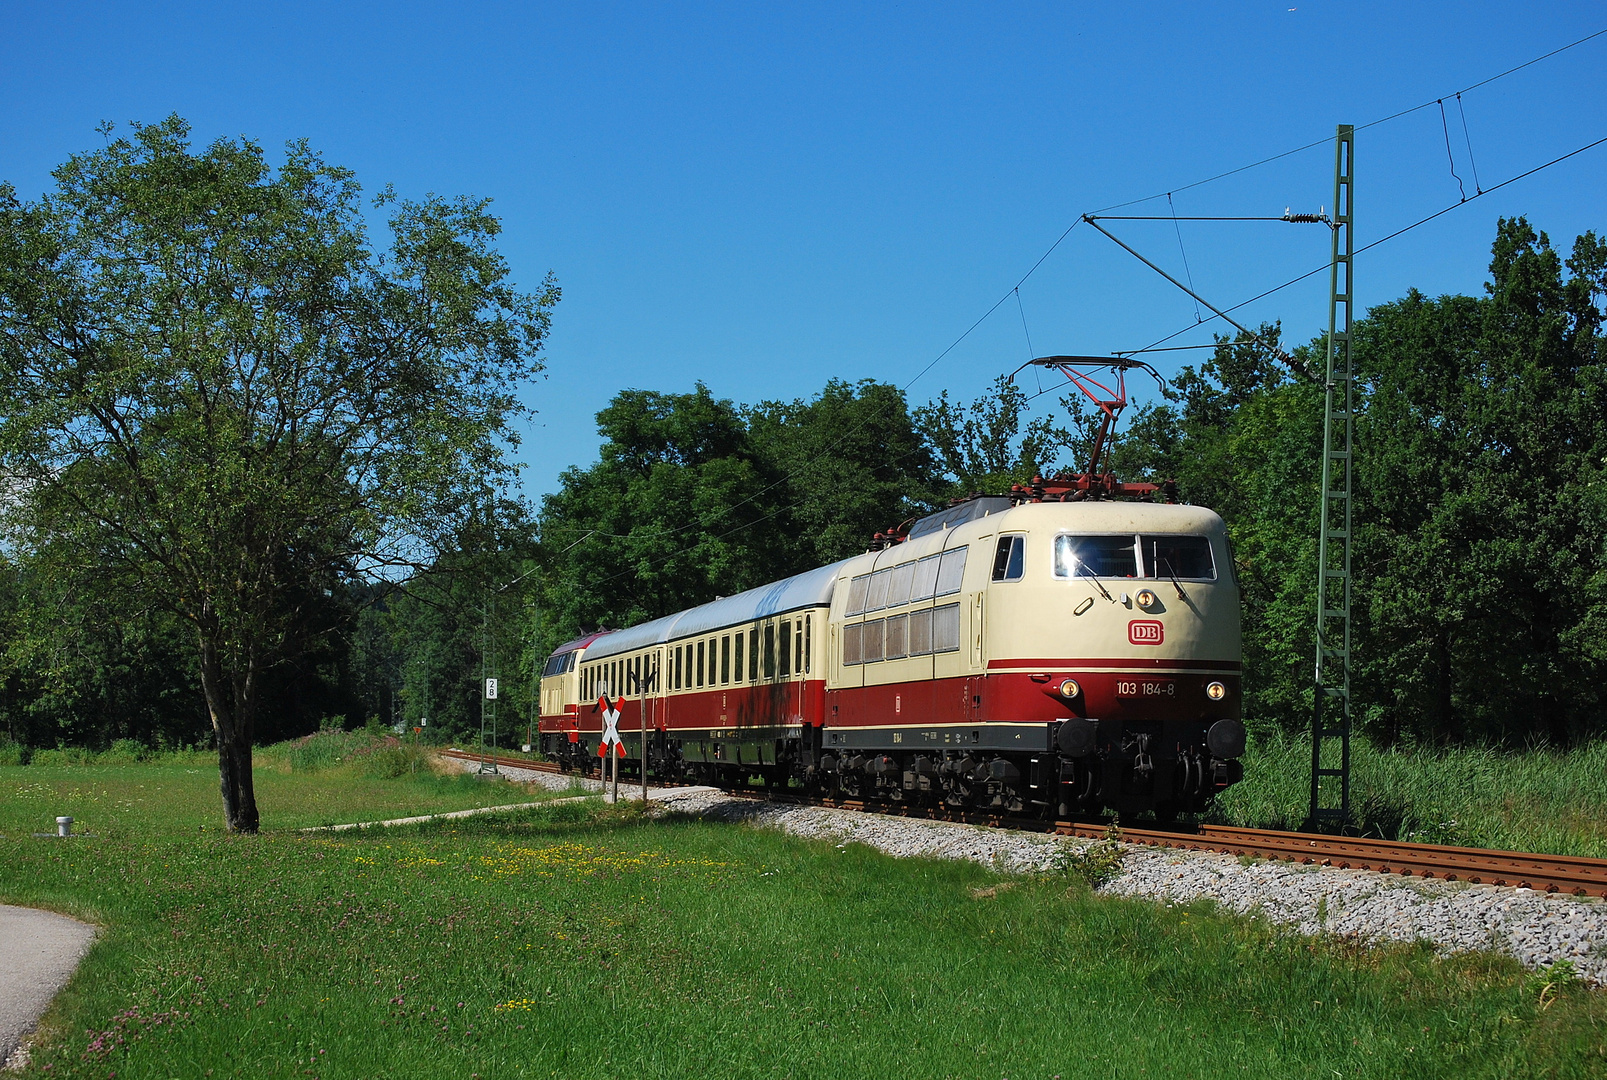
(1101, 588)
(1178, 585)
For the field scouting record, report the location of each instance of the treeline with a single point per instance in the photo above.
(1480, 511)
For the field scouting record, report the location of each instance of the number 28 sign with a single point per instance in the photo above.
(491, 689)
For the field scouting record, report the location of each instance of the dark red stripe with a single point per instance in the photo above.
(1065, 664)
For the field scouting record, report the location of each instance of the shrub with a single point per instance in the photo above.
(12, 753)
(124, 751)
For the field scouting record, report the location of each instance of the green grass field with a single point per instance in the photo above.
(1535, 800)
(581, 941)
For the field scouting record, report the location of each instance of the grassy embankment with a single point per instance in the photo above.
(578, 941)
(1533, 800)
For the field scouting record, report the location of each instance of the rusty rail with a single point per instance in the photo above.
(1545, 873)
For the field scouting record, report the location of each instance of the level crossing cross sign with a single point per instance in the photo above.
(610, 729)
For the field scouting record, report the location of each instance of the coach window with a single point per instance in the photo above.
(769, 650)
(1096, 556)
(699, 668)
(786, 647)
(753, 655)
(851, 650)
(856, 594)
(876, 597)
(925, 578)
(1008, 559)
(898, 586)
(809, 623)
(871, 642)
(725, 659)
(950, 571)
(946, 629)
(736, 660)
(920, 632)
(897, 636)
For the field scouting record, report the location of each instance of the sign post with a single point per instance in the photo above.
(612, 748)
(649, 670)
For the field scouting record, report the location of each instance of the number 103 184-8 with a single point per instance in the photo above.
(1145, 688)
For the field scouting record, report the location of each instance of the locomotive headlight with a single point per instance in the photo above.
(1146, 598)
(1215, 691)
(1070, 689)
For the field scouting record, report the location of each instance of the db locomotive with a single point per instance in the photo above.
(1048, 653)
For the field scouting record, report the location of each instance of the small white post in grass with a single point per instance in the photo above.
(64, 826)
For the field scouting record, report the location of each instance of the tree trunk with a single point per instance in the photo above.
(231, 703)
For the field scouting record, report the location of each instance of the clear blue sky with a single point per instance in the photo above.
(767, 196)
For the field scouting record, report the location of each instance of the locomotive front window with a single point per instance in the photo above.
(1178, 556)
(1096, 556)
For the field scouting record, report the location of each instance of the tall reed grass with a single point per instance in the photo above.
(1532, 800)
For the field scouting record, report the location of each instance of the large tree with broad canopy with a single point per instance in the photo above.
(219, 398)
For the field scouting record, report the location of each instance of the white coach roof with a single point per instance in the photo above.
(810, 589)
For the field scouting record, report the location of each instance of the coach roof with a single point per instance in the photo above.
(810, 589)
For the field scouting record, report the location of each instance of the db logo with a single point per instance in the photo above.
(1145, 632)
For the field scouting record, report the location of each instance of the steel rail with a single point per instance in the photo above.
(1571, 874)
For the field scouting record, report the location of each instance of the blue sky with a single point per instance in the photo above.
(767, 196)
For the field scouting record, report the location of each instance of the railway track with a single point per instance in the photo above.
(1544, 873)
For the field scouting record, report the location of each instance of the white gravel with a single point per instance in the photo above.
(1537, 928)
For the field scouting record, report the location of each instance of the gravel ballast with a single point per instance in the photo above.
(1536, 928)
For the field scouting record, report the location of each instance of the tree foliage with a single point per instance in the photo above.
(218, 400)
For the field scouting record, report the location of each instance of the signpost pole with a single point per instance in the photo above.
(642, 685)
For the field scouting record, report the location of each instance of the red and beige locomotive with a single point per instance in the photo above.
(1032, 656)
(1055, 652)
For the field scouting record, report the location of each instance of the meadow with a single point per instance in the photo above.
(578, 940)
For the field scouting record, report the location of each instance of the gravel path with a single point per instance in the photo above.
(39, 950)
(1536, 928)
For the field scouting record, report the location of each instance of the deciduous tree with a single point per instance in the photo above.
(219, 398)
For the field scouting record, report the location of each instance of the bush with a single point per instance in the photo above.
(125, 751)
(389, 762)
(62, 755)
(12, 753)
(332, 747)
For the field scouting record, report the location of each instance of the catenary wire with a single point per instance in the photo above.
(1381, 240)
(1014, 290)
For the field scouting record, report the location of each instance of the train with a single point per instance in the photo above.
(1040, 654)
